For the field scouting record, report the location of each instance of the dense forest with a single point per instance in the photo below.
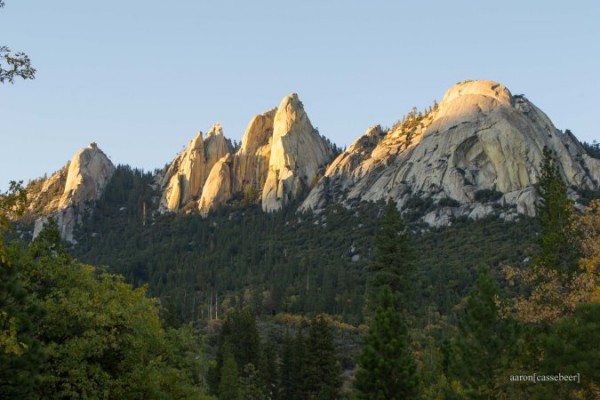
(358, 302)
(283, 261)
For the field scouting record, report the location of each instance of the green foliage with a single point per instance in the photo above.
(587, 195)
(229, 385)
(14, 65)
(414, 119)
(393, 265)
(417, 206)
(448, 202)
(49, 242)
(271, 263)
(557, 248)
(12, 205)
(268, 371)
(572, 347)
(302, 368)
(322, 371)
(238, 336)
(20, 353)
(387, 368)
(275, 263)
(17, 65)
(100, 338)
(293, 356)
(592, 149)
(280, 262)
(251, 384)
(484, 345)
(487, 195)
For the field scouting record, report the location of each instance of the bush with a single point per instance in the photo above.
(487, 195)
(592, 149)
(448, 202)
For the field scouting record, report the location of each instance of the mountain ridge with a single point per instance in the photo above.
(475, 154)
(480, 138)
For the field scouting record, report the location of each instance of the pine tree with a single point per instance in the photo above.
(239, 330)
(573, 344)
(292, 371)
(229, 385)
(387, 369)
(251, 384)
(394, 259)
(484, 345)
(322, 372)
(555, 212)
(268, 370)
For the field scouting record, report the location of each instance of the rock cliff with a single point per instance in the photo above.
(297, 153)
(66, 194)
(251, 162)
(280, 155)
(218, 188)
(184, 178)
(478, 152)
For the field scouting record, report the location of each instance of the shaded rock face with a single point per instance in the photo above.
(66, 194)
(184, 178)
(297, 154)
(480, 139)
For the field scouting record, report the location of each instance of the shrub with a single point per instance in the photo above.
(487, 195)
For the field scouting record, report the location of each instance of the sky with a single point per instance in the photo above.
(142, 77)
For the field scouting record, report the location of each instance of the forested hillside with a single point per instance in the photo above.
(362, 302)
(70, 330)
(283, 261)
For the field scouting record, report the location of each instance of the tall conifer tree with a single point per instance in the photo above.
(393, 265)
(387, 369)
(322, 372)
(229, 385)
(557, 242)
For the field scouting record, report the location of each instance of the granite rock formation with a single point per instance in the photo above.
(480, 150)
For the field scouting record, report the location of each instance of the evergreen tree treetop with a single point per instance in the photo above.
(555, 213)
(393, 265)
(387, 369)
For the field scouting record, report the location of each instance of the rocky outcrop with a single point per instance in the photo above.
(280, 155)
(67, 193)
(481, 147)
(297, 154)
(218, 188)
(251, 162)
(89, 172)
(184, 178)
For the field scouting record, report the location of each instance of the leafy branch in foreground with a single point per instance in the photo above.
(13, 65)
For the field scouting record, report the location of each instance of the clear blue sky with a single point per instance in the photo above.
(140, 78)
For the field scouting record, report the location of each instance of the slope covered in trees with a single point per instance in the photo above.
(479, 305)
(280, 262)
(69, 330)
